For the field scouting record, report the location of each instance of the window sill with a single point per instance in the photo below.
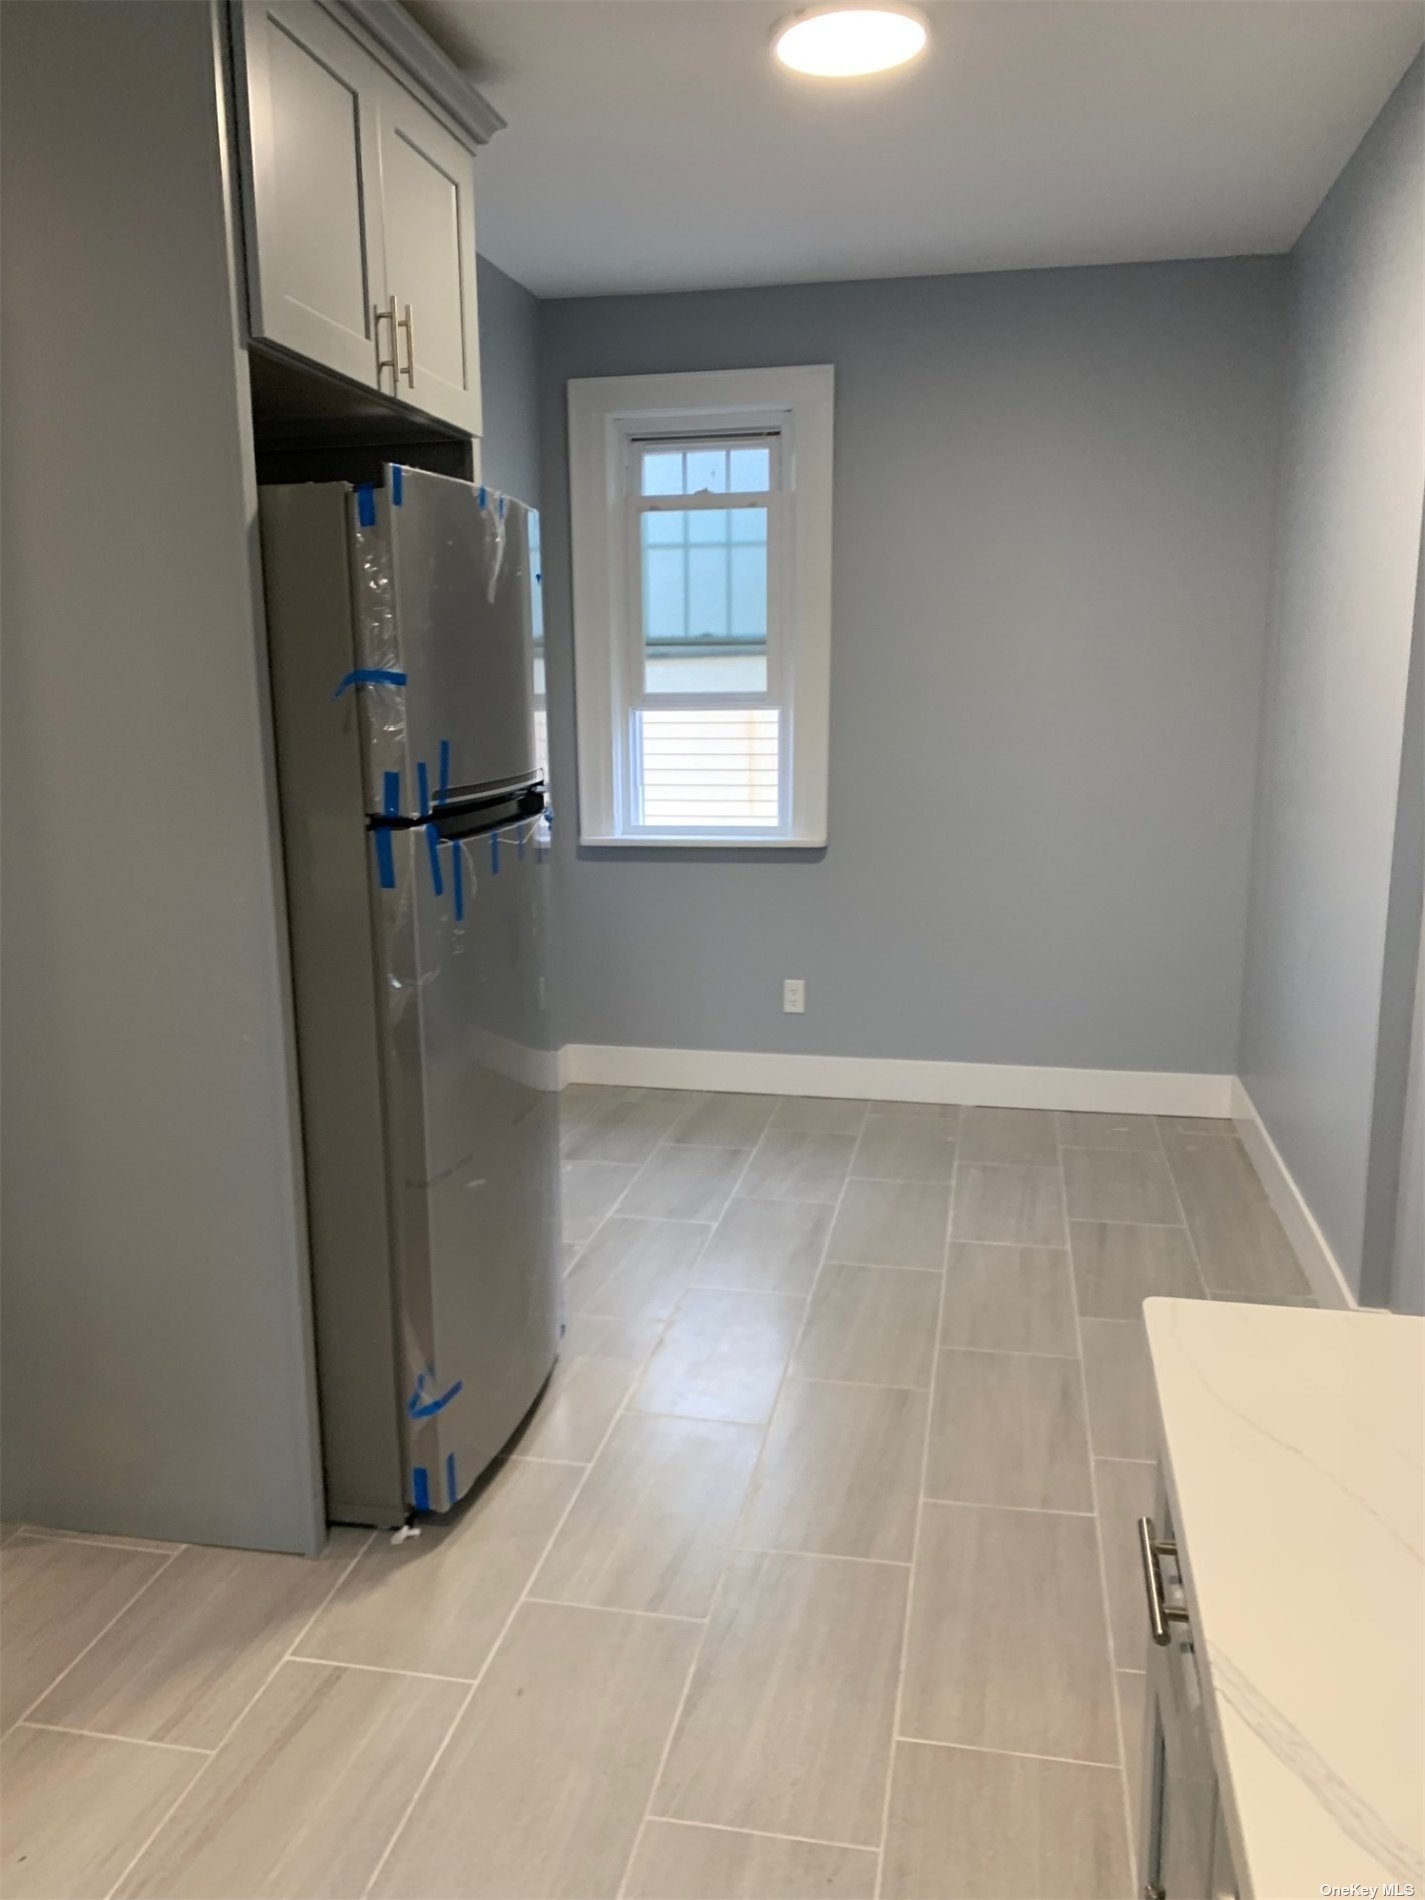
(733, 841)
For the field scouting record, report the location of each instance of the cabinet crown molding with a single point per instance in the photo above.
(418, 56)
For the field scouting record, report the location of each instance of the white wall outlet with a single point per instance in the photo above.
(794, 996)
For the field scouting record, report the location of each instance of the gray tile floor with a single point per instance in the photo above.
(812, 1575)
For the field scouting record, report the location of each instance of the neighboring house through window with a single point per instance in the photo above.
(701, 510)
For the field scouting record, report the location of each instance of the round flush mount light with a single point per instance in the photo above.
(847, 41)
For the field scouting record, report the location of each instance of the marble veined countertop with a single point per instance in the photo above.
(1294, 1452)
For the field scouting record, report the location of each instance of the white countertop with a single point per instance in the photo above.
(1294, 1451)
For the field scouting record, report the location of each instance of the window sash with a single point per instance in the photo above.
(631, 696)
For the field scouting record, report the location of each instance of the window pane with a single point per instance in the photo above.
(663, 473)
(707, 595)
(717, 768)
(751, 471)
(707, 525)
(665, 615)
(704, 600)
(707, 469)
(665, 528)
(748, 618)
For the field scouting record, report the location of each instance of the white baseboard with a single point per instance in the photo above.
(898, 1079)
(1310, 1245)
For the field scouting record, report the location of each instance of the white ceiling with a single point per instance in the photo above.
(655, 145)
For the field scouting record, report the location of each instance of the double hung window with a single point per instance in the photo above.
(701, 512)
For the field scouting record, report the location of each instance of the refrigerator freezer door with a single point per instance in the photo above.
(444, 667)
(474, 1162)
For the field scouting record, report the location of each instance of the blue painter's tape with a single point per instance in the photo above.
(366, 506)
(481, 497)
(450, 1491)
(398, 484)
(370, 676)
(457, 879)
(423, 787)
(500, 507)
(423, 1403)
(494, 854)
(443, 788)
(391, 782)
(420, 1488)
(385, 859)
(433, 847)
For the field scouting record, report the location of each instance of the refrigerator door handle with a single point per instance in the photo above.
(479, 820)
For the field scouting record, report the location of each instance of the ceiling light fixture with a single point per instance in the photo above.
(844, 42)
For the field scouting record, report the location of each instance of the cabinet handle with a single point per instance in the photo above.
(409, 372)
(388, 315)
(1160, 1614)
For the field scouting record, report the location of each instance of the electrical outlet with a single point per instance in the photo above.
(794, 996)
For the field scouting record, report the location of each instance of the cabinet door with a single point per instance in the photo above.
(316, 275)
(428, 222)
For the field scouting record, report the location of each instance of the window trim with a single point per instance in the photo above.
(604, 412)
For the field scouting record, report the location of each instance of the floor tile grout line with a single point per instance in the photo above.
(1008, 1352)
(614, 1609)
(377, 1669)
(716, 1147)
(762, 1833)
(1182, 1209)
(74, 1661)
(820, 1556)
(1013, 1754)
(668, 1739)
(526, 1593)
(858, 1385)
(431, 1766)
(993, 1504)
(1102, 1556)
(746, 1500)
(906, 1613)
(882, 1266)
(107, 1735)
(340, 1578)
(1098, 1220)
(615, 1205)
(96, 1541)
(505, 1627)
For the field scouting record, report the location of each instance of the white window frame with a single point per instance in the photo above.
(606, 415)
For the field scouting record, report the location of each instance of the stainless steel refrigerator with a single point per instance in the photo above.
(416, 846)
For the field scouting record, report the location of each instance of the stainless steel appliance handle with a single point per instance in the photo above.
(409, 372)
(1150, 1548)
(388, 315)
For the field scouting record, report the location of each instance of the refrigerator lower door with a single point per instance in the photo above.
(468, 1077)
(444, 669)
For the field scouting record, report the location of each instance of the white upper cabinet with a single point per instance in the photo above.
(359, 212)
(429, 222)
(316, 274)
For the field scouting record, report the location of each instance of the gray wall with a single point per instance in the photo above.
(157, 1374)
(1052, 531)
(1348, 539)
(509, 379)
